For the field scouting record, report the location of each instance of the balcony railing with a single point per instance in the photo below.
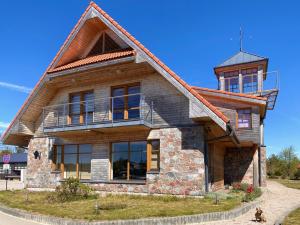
(98, 113)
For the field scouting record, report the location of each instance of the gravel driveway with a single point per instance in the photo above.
(278, 201)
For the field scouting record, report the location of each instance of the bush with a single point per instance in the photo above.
(252, 193)
(297, 174)
(71, 190)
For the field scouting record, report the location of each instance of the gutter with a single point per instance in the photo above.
(229, 133)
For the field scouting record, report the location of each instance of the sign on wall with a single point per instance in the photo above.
(6, 158)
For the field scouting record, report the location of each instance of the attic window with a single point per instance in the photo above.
(104, 44)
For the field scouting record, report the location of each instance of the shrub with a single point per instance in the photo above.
(297, 174)
(71, 190)
(252, 193)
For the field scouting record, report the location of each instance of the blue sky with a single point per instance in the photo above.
(189, 36)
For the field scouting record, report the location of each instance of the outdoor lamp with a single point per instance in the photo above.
(37, 155)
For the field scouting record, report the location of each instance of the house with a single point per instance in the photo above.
(17, 162)
(110, 113)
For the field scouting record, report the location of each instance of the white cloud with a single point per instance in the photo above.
(15, 87)
(3, 125)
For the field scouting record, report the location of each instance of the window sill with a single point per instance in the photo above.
(153, 172)
(137, 182)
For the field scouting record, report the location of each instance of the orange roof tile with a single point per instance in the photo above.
(94, 59)
(230, 93)
(161, 64)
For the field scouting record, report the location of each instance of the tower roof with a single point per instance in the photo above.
(240, 58)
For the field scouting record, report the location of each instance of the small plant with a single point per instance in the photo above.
(71, 190)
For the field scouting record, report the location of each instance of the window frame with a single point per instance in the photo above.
(250, 119)
(149, 156)
(125, 95)
(111, 175)
(82, 110)
(62, 164)
(252, 74)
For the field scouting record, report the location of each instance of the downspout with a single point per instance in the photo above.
(229, 133)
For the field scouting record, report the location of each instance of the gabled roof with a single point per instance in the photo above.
(240, 58)
(94, 11)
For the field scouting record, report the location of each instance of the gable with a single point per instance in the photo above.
(83, 39)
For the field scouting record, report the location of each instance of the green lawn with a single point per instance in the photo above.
(115, 207)
(293, 218)
(289, 183)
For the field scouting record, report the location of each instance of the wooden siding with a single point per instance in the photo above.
(229, 109)
(170, 107)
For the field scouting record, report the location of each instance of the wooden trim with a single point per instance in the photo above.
(149, 152)
(77, 162)
(62, 165)
(126, 109)
(81, 114)
(128, 161)
(54, 158)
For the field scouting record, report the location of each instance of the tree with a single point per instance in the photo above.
(290, 161)
(274, 166)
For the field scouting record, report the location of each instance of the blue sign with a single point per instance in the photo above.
(6, 159)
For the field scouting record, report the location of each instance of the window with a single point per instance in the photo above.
(244, 120)
(153, 155)
(232, 81)
(73, 160)
(81, 109)
(250, 84)
(129, 160)
(104, 44)
(126, 102)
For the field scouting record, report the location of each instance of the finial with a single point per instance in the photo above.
(241, 39)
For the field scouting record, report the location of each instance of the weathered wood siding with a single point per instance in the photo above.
(230, 110)
(170, 106)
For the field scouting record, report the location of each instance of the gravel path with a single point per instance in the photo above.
(278, 201)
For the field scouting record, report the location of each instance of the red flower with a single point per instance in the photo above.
(250, 189)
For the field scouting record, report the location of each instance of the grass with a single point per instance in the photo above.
(114, 207)
(289, 183)
(293, 218)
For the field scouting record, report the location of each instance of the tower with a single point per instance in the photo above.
(247, 73)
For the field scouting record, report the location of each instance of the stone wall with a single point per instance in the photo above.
(263, 166)
(39, 173)
(181, 162)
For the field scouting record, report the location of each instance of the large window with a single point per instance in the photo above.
(232, 81)
(81, 108)
(244, 118)
(129, 160)
(250, 84)
(126, 102)
(73, 160)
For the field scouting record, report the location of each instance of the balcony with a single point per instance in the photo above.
(266, 85)
(120, 111)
